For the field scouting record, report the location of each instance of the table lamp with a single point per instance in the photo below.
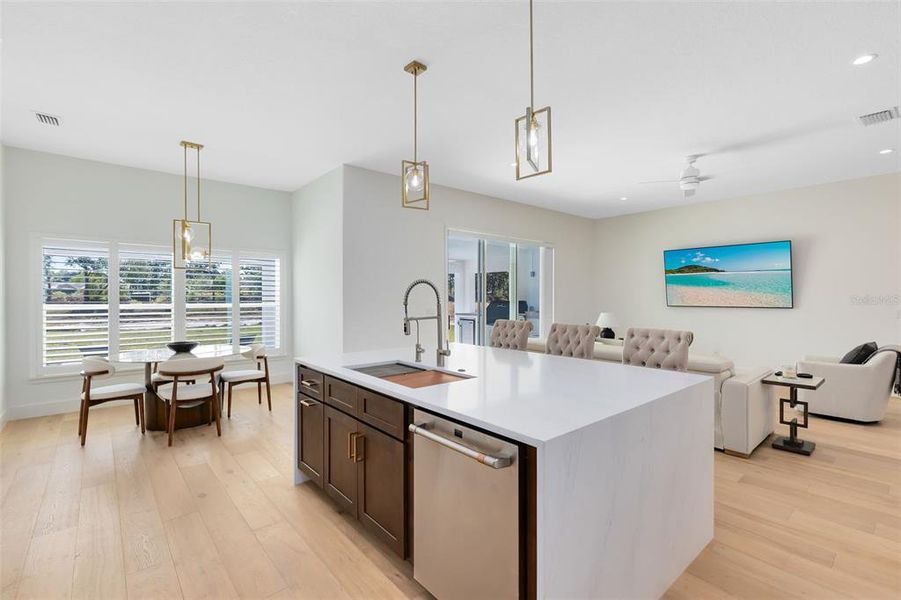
(606, 321)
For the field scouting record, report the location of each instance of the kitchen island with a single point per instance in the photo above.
(616, 471)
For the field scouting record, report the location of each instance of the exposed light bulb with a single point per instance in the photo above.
(198, 254)
(414, 180)
(187, 234)
(533, 134)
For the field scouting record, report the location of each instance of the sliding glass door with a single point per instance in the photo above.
(491, 278)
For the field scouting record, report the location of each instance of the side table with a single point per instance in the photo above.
(792, 443)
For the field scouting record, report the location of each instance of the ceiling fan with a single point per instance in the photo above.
(690, 178)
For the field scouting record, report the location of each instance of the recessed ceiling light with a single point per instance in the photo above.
(862, 60)
(623, 198)
(887, 151)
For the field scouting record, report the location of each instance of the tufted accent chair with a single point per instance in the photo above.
(657, 348)
(510, 334)
(572, 340)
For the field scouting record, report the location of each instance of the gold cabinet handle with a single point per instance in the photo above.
(308, 403)
(358, 453)
(308, 384)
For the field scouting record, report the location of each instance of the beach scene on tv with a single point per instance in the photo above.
(745, 275)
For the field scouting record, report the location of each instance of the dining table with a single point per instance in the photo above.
(154, 406)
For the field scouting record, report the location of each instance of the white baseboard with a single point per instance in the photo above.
(68, 405)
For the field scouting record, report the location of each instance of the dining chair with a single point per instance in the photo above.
(657, 348)
(572, 340)
(260, 375)
(177, 396)
(93, 368)
(156, 379)
(510, 334)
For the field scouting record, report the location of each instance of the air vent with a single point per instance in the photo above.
(47, 119)
(882, 116)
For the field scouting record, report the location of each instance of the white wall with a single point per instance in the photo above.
(58, 195)
(2, 292)
(386, 247)
(318, 265)
(847, 276)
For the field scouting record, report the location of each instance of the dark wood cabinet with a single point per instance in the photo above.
(341, 395)
(381, 498)
(340, 473)
(310, 426)
(352, 444)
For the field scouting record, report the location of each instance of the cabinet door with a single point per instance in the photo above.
(380, 459)
(310, 420)
(340, 472)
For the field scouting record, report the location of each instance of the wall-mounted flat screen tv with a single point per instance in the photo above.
(740, 275)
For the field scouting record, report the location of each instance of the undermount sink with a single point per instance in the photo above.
(408, 375)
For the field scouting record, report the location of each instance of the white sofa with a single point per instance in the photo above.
(744, 409)
(855, 392)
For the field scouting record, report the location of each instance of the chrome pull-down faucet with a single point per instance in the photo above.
(443, 350)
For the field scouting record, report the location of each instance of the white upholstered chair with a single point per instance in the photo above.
(179, 395)
(260, 375)
(572, 340)
(854, 392)
(657, 348)
(510, 334)
(99, 368)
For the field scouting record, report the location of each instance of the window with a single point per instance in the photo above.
(259, 306)
(208, 301)
(151, 303)
(75, 302)
(145, 298)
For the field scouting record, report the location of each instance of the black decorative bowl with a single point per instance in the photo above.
(180, 347)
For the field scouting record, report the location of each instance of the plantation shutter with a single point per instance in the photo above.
(75, 301)
(259, 301)
(208, 301)
(145, 298)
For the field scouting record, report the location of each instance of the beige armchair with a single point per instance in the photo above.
(510, 334)
(855, 392)
(572, 340)
(657, 348)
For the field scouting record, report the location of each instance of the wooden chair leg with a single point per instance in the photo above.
(140, 403)
(172, 410)
(230, 386)
(259, 393)
(84, 423)
(269, 394)
(80, 417)
(215, 408)
(137, 414)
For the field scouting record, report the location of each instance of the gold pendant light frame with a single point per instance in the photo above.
(412, 197)
(191, 240)
(532, 131)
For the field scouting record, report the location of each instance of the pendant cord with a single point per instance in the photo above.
(198, 185)
(185, 148)
(415, 116)
(531, 62)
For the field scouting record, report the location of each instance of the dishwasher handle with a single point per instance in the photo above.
(495, 462)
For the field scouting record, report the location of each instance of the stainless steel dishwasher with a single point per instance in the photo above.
(465, 511)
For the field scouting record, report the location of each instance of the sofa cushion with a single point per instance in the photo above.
(860, 354)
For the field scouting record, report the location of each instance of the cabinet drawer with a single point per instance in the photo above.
(309, 382)
(341, 395)
(381, 412)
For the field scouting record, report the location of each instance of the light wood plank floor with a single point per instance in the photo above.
(219, 517)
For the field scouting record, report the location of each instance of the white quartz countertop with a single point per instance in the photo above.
(526, 396)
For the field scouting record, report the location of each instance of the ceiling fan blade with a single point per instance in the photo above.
(705, 178)
(688, 193)
(660, 181)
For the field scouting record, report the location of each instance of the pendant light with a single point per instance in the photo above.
(415, 173)
(533, 130)
(191, 240)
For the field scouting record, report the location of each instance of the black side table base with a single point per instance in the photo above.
(797, 446)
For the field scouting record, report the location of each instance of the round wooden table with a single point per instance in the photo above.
(154, 407)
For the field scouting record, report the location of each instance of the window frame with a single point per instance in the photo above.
(112, 245)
